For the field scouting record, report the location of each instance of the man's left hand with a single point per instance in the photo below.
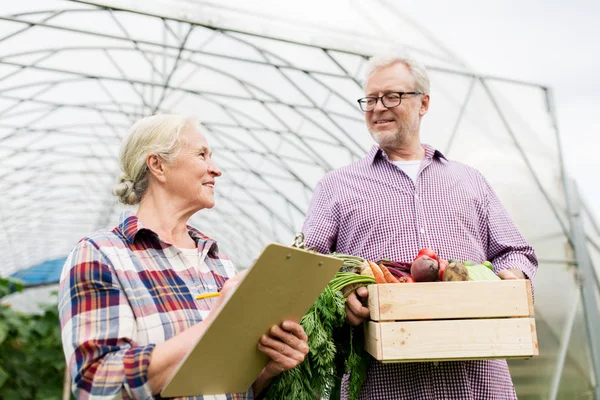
(512, 273)
(286, 345)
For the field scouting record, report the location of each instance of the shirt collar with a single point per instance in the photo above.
(430, 153)
(130, 226)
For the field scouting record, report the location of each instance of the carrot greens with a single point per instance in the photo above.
(336, 348)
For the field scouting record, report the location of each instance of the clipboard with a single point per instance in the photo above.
(282, 284)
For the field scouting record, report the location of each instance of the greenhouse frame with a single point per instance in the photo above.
(275, 94)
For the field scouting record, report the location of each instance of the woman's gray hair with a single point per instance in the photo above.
(418, 70)
(156, 134)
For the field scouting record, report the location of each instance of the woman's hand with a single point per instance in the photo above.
(230, 286)
(226, 291)
(286, 346)
(167, 355)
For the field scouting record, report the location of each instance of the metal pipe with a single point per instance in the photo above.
(564, 346)
(588, 285)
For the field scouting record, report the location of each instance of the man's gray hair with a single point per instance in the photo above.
(418, 70)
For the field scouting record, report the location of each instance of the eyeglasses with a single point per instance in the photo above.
(389, 100)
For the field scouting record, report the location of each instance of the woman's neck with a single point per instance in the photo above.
(162, 215)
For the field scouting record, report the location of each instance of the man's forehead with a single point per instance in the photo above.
(390, 86)
(387, 80)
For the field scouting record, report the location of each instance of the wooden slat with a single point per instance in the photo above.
(449, 300)
(445, 340)
(374, 301)
(373, 340)
(529, 296)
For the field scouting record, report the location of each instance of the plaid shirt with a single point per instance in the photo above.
(374, 210)
(123, 291)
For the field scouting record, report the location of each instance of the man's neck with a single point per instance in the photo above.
(406, 153)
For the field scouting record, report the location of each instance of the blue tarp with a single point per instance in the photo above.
(45, 273)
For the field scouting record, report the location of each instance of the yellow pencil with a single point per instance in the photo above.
(207, 295)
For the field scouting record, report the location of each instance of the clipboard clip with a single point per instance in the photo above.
(299, 241)
(300, 244)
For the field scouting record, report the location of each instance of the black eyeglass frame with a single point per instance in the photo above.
(382, 98)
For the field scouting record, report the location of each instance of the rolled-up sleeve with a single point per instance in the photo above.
(507, 248)
(320, 226)
(99, 330)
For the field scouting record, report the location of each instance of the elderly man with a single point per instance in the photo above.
(406, 195)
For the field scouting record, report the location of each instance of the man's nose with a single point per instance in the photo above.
(379, 105)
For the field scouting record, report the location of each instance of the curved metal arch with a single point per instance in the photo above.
(263, 51)
(26, 214)
(269, 184)
(236, 205)
(244, 84)
(58, 130)
(94, 106)
(281, 160)
(44, 169)
(244, 237)
(48, 191)
(83, 76)
(287, 64)
(161, 45)
(86, 190)
(523, 155)
(262, 205)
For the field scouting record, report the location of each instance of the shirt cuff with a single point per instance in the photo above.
(136, 361)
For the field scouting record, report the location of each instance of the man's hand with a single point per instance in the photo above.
(286, 345)
(512, 273)
(356, 313)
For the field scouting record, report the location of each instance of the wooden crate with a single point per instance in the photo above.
(442, 321)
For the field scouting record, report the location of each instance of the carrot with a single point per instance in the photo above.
(388, 275)
(379, 278)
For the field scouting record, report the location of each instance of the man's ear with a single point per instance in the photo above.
(156, 166)
(424, 105)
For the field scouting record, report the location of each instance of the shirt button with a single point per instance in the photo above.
(422, 230)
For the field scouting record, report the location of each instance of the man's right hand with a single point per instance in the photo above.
(356, 313)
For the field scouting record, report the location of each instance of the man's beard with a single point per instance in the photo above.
(392, 140)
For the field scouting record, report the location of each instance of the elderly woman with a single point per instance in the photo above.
(127, 296)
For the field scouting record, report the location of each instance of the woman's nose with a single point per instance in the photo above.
(214, 170)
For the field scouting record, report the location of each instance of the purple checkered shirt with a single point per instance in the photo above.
(372, 209)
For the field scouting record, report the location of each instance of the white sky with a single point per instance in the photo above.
(551, 42)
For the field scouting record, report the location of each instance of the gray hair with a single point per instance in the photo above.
(158, 134)
(417, 70)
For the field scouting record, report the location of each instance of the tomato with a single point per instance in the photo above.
(443, 265)
(427, 252)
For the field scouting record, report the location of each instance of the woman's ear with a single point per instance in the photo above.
(156, 167)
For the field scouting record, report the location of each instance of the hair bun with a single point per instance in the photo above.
(124, 190)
